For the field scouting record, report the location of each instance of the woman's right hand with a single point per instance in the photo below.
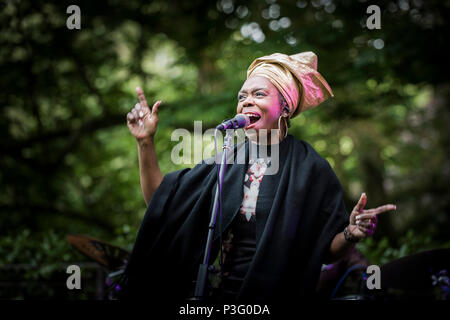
(142, 122)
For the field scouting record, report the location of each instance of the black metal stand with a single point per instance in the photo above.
(203, 268)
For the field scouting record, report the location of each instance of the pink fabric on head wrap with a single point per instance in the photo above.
(296, 78)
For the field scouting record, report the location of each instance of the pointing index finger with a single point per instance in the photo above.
(386, 207)
(372, 213)
(141, 97)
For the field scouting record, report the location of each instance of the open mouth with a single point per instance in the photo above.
(254, 117)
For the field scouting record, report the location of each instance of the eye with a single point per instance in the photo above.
(261, 94)
(240, 97)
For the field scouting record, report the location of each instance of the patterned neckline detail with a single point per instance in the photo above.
(252, 182)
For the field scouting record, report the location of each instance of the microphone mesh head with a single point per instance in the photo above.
(243, 118)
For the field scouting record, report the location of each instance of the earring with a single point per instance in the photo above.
(286, 126)
(279, 123)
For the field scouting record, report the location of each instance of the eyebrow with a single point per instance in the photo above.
(253, 90)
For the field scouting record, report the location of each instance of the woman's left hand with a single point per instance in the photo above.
(364, 222)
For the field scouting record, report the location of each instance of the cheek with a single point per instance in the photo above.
(273, 112)
(239, 108)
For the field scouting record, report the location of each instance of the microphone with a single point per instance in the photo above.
(239, 121)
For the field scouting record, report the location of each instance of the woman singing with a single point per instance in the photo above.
(277, 229)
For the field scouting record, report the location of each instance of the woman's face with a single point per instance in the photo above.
(259, 99)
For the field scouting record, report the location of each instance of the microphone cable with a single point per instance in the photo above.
(219, 185)
(341, 280)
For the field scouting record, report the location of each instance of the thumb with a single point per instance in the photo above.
(361, 203)
(156, 107)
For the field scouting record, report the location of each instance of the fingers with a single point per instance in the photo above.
(367, 216)
(368, 231)
(361, 203)
(156, 107)
(366, 224)
(130, 117)
(141, 113)
(366, 220)
(386, 207)
(381, 209)
(136, 114)
(141, 96)
(144, 105)
(139, 110)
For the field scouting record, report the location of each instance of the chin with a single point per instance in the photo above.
(254, 133)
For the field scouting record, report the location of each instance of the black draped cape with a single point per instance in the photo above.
(293, 239)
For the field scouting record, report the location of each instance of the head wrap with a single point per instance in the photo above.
(296, 78)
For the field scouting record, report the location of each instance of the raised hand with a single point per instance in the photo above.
(364, 222)
(142, 122)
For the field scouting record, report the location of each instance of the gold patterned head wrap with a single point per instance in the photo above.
(296, 78)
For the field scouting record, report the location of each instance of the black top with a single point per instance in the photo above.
(240, 239)
(292, 238)
(237, 261)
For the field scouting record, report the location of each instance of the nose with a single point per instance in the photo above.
(248, 101)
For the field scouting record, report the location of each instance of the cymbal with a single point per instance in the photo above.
(414, 272)
(107, 255)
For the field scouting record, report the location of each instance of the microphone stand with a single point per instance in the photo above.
(203, 268)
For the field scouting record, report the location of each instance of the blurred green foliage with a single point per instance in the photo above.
(36, 265)
(382, 251)
(70, 165)
(46, 249)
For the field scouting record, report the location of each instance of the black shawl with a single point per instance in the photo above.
(292, 240)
